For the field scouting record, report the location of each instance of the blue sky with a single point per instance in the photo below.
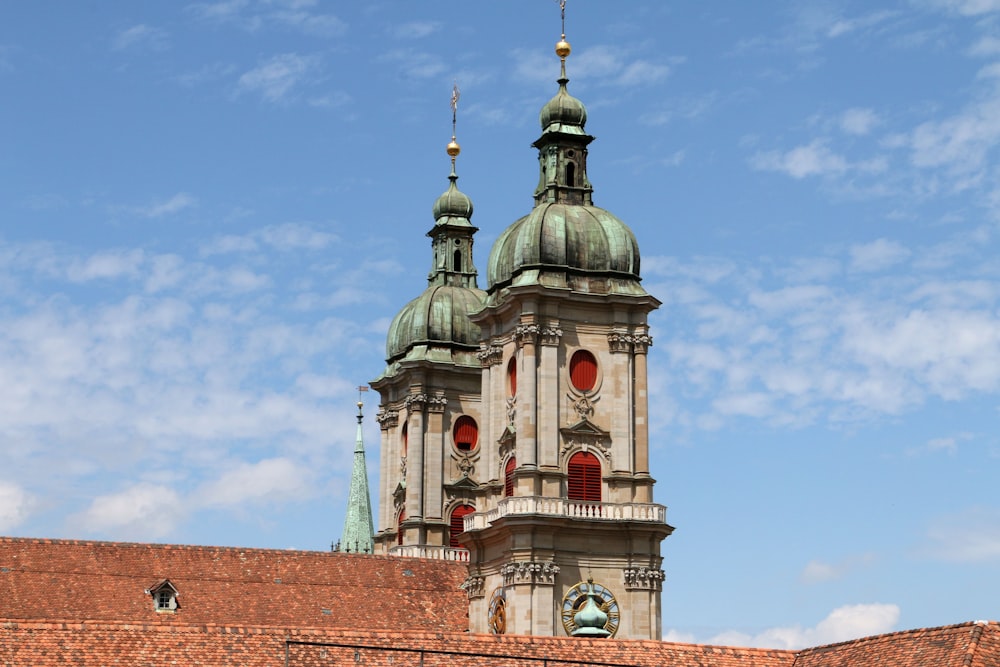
(210, 212)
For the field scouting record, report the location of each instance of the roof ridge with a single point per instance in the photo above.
(891, 636)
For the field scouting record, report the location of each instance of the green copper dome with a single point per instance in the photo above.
(438, 318)
(563, 113)
(564, 238)
(453, 207)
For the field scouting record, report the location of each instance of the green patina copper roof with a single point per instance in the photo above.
(359, 528)
(437, 318)
(453, 207)
(564, 237)
(563, 113)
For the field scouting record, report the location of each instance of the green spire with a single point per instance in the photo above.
(359, 529)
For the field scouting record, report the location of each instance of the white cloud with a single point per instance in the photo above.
(858, 121)
(106, 265)
(969, 7)
(416, 64)
(969, 536)
(813, 159)
(844, 26)
(817, 571)
(142, 511)
(140, 35)
(275, 79)
(877, 255)
(985, 47)
(600, 64)
(175, 204)
(415, 29)
(15, 506)
(270, 480)
(842, 624)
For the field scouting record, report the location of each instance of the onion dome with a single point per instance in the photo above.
(436, 326)
(566, 240)
(563, 113)
(453, 206)
(438, 318)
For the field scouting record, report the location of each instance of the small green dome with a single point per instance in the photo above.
(563, 113)
(439, 317)
(564, 238)
(452, 204)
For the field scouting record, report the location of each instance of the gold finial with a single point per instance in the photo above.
(453, 148)
(563, 48)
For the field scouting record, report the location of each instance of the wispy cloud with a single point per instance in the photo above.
(858, 121)
(15, 506)
(276, 79)
(842, 624)
(415, 29)
(299, 15)
(140, 36)
(817, 571)
(599, 64)
(174, 204)
(968, 536)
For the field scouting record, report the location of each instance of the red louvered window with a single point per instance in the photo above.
(399, 527)
(458, 522)
(583, 370)
(584, 481)
(512, 377)
(466, 433)
(508, 477)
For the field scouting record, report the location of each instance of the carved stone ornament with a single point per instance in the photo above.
(387, 419)
(584, 406)
(551, 335)
(508, 444)
(473, 586)
(402, 467)
(526, 333)
(436, 403)
(490, 355)
(529, 572)
(415, 402)
(588, 437)
(641, 343)
(511, 409)
(399, 495)
(466, 467)
(643, 578)
(619, 341)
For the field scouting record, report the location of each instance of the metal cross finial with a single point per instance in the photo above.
(562, 15)
(455, 94)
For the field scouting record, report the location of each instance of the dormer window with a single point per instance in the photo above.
(164, 597)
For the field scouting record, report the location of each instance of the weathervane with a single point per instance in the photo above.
(453, 148)
(562, 15)
(562, 46)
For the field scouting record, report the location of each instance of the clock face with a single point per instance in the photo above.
(497, 612)
(576, 597)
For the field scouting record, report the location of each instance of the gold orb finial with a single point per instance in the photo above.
(563, 48)
(453, 147)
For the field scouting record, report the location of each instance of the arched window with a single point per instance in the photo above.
(458, 522)
(399, 527)
(508, 477)
(583, 370)
(584, 481)
(406, 438)
(512, 376)
(458, 261)
(466, 433)
(571, 174)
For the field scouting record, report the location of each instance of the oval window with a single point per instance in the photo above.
(466, 433)
(583, 370)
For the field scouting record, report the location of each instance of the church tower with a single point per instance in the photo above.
(430, 394)
(566, 538)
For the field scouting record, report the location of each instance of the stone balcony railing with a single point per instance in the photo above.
(563, 507)
(430, 551)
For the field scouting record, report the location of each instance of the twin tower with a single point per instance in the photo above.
(515, 420)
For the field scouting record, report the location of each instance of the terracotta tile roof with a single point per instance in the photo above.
(974, 644)
(104, 581)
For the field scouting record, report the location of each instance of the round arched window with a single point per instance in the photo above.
(458, 523)
(583, 370)
(508, 477)
(406, 438)
(512, 377)
(466, 433)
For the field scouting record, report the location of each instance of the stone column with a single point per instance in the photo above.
(388, 421)
(435, 443)
(548, 396)
(526, 336)
(415, 404)
(641, 342)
